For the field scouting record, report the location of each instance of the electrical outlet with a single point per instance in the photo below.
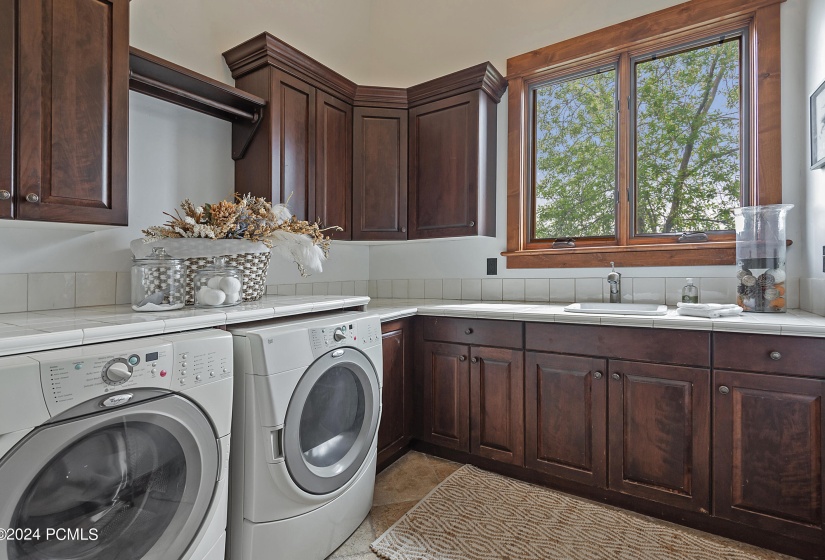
(492, 266)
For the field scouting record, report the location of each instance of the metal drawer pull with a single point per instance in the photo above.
(775, 355)
(597, 374)
(616, 376)
(33, 198)
(5, 195)
(474, 360)
(462, 358)
(468, 331)
(724, 389)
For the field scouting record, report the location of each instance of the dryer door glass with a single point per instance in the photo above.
(124, 488)
(331, 421)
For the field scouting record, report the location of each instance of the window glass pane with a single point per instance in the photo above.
(575, 157)
(688, 140)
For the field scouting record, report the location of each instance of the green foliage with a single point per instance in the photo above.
(687, 147)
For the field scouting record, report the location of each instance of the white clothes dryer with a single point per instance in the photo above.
(117, 451)
(308, 405)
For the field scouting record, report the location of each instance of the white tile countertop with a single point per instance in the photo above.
(792, 323)
(46, 330)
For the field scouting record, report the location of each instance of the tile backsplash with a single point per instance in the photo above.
(51, 290)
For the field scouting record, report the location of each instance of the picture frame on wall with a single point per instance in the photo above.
(818, 127)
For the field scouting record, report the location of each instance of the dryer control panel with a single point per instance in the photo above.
(354, 332)
(177, 362)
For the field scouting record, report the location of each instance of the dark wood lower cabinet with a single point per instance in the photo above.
(565, 411)
(659, 424)
(446, 399)
(395, 430)
(497, 404)
(767, 453)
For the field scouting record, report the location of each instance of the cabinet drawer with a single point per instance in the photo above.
(505, 334)
(690, 348)
(752, 352)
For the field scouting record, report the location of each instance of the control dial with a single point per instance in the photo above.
(116, 372)
(339, 334)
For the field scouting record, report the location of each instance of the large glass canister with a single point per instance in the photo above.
(760, 257)
(158, 282)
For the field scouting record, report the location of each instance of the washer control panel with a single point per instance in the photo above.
(175, 362)
(70, 377)
(325, 338)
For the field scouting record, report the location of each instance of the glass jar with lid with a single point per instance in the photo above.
(158, 282)
(218, 285)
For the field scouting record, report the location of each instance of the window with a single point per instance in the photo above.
(623, 143)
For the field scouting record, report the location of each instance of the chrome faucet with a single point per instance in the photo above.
(614, 279)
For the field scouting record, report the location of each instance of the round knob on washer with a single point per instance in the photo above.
(117, 373)
(339, 334)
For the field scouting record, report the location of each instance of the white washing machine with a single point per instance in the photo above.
(117, 451)
(308, 404)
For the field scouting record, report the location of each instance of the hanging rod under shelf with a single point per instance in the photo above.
(164, 80)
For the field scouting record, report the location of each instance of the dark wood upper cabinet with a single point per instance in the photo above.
(446, 398)
(452, 154)
(395, 430)
(422, 160)
(7, 53)
(767, 452)
(72, 110)
(452, 184)
(659, 433)
(497, 404)
(565, 417)
(333, 164)
(379, 204)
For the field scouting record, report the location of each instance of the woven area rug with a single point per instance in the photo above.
(478, 515)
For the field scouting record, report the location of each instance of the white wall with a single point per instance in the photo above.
(416, 41)
(814, 42)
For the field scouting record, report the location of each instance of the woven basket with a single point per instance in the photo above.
(252, 265)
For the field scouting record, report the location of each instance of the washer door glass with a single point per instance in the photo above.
(331, 421)
(125, 489)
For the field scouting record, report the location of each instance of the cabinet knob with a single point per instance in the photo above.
(5, 195)
(724, 389)
(472, 224)
(775, 355)
(403, 230)
(33, 198)
(462, 358)
(474, 360)
(597, 374)
(616, 376)
(468, 331)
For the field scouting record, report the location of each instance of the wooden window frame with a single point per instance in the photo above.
(670, 27)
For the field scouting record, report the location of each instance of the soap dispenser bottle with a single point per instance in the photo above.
(690, 293)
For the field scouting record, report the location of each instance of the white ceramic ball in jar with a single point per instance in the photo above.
(218, 285)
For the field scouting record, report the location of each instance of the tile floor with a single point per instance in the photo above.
(398, 488)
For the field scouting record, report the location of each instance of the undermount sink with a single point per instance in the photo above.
(618, 308)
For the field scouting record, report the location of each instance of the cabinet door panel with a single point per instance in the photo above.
(379, 207)
(293, 150)
(395, 429)
(566, 407)
(444, 167)
(447, 395)
(497, 404)
(73, 110)
(333, 153)
(660, 433)
(7, 53)
(767, 453)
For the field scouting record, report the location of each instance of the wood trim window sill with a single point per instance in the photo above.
(693, 254)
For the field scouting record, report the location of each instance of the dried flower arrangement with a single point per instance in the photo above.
(254, 219)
